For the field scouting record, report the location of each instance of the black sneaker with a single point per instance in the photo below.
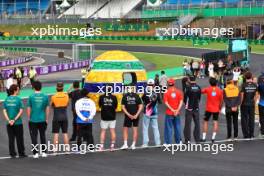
(72, 139)
(22, 156)
(13, 156)
(213, 140)
(203, 140)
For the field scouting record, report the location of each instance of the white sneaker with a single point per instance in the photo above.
(158, 145)
(36, 156)
(44, 155)
(101, 148)
(144, 146)
(125, 146)
(133, 147)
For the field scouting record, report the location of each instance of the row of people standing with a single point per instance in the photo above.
(17, 77)
(234, 98)
(132, 105)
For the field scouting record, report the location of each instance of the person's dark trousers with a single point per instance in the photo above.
(19, 82)
(232, 118)
(8, 92)
(85, 132)
(15, 132)
(74, 126)
(189, 116)
(32, 80)
(83, 82)
(261, 119)
(248, 121)
(34, 129)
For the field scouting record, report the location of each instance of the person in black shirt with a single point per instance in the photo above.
(185, 82)
(74, 95)
(132, 107)
(108, 104)
(192, 96)
(261, 103)
(248, 96)
(157, 84)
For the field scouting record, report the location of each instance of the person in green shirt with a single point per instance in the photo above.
(13, 109)
(38, 112)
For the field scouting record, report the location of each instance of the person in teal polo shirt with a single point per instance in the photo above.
(13, 109)
(38, 111)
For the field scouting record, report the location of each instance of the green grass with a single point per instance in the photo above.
(172, 61)
(162, 61)
(259, 49)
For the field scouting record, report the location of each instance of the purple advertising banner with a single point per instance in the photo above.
(9, 62)
(47, 69)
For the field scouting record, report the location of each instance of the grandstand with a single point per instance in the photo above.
(102, 8)
(106, 9)
(22, 8)
(85, 9)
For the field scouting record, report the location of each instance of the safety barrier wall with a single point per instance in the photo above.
(43, 70)
(204, 12)
(15, 61)
(18, 49)
(146, 38)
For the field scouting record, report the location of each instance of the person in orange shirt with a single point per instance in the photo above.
(213, 106)
(60, 102)
(173, 100)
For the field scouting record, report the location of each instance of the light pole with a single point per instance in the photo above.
(27, 7)
(39, 11)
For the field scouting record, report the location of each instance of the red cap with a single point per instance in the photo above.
(171, 81)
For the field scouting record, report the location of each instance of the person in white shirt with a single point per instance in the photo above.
(9, 82)
(236, 74)
(163, 79)
(211, 70)
(184, 64)
(195, 66)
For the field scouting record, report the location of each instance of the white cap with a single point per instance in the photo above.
(151, 81)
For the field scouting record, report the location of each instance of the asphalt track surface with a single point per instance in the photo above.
(245, 160)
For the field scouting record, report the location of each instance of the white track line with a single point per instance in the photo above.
(137, 148)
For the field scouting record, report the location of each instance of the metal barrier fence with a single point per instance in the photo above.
(203, 4)
(18, 49)
(47, 69)
(15, 61)
(146, 38)
(204, 12)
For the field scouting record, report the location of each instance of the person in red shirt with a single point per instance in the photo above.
(213, 106)
(173, 100)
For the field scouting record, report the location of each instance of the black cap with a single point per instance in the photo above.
(60, 85)
(192, 78)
